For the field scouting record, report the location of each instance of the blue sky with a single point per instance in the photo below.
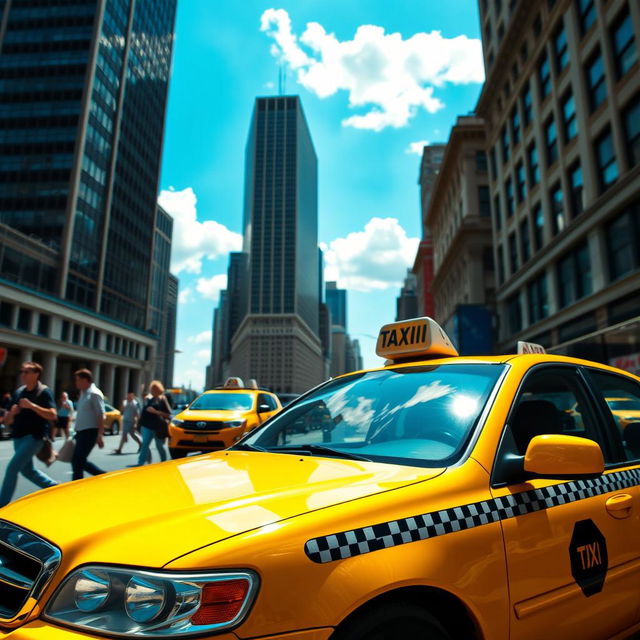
(376, 80)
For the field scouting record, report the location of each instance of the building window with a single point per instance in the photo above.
(534, 167)
(624, 45)
(538, 299)
(66, 331)
(551, 139)
(561, 50)
(76, 333)
(574, 276)
(631, 124)
(596, 84)
(544, 77)
(577, 190)
(570, 124)
(6, 314)
(24, 319)
(43, 325)
(484, 202)
(556, 200)
(623, 242)
(527, 106)
(500, 265)
(505, 145)
(96, 339)
(497, 213)
(510, 204)
(515, 125)
(481, 162)
(514, 313)
(513, 253)
(521, 183)
(538, 226)
(586, 14)
(606, 161)
(525, 242)
(492, 160)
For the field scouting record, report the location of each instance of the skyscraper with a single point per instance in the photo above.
(83, 91)
(277, 342)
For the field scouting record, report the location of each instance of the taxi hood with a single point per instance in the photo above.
(151, 515)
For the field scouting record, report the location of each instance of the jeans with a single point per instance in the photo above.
(147, 436)
(22, 462)
(85, 441)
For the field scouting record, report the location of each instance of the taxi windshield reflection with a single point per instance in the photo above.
(414, 415)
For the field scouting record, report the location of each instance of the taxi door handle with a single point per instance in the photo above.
(619, 506)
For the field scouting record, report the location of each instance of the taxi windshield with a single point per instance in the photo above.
(420, 415)
(624, 405)
(223, 402)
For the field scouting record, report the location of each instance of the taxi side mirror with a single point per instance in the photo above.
(263, 408)
(563, 457)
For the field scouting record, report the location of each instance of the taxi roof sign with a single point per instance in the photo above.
(412, 339)
(530, 347)
(234, 382)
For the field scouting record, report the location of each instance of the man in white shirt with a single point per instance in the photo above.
(89, 424)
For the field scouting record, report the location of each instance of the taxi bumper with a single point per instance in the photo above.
(41, 630)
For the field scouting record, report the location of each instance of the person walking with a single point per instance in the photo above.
(130, 414)
(89, 424)
(32, 408)
(153, 421)
(65, 410)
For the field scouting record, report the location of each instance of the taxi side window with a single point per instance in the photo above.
(621, 397)
(263, 398)
(552, 401)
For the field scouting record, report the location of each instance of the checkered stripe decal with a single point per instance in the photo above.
(437, 523)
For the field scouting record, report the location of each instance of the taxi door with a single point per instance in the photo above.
(571, 546)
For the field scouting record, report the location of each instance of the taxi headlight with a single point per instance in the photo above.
(152, 604)
(177, 423)
(233, 423)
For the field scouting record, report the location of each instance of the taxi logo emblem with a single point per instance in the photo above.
(201, 425)
(588, 555)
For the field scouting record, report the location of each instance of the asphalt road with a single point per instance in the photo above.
(61, 471)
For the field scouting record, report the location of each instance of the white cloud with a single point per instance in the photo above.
(184, 297)
(374, 259)
(383, 72)
(416, 147)
(200, 338)
(210, 288)
(194, 240)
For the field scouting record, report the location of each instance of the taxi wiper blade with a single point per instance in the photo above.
(318, 448)
(249, 447)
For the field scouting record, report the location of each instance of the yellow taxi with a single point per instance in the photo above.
(220, 417)
(626, 410)
(438, 497)
(113, 419)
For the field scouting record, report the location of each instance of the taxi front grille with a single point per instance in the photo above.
(203, 425)
(211, 444)
(27, 563)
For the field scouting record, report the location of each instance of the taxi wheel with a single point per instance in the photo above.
(392, 621)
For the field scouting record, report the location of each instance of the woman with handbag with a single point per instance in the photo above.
(154, 421)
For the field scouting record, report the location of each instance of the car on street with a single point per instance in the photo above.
(437, 497)
(113, 420)
(220, 417)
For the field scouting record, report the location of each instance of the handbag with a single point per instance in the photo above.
(47, 454)
(162, 430)
(65, 453)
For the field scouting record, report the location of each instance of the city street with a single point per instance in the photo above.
(61, 471)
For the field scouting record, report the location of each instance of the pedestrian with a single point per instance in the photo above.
(89, 424)
(130, 415)
(32, 408)
(155, 415)
(6, 403)
(65, 411)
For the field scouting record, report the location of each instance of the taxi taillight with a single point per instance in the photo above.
(221, 602)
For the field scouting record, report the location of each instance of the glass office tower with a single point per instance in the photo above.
(83, 91)
(278, 341)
